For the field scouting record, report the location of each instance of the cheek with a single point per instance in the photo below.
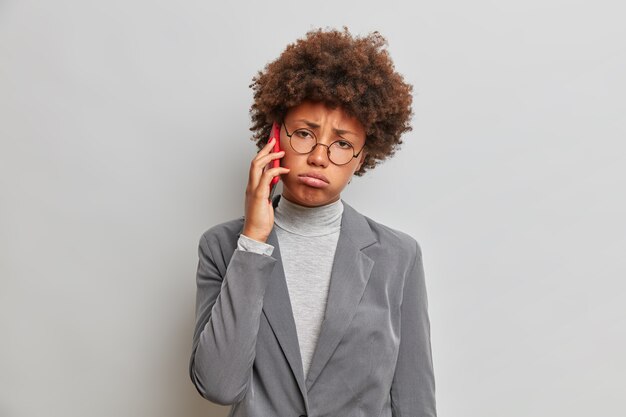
(288, 160)
(284, 145)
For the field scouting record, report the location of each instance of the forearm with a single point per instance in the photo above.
(227, 323)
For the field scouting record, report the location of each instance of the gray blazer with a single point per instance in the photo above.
(373, 357)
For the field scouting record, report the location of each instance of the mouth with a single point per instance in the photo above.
(313, 180)
(316, 176)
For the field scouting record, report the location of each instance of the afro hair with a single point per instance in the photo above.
(333, 67)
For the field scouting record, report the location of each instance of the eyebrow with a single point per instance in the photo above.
(315, 125)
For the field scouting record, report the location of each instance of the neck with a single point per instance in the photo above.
(308, 221)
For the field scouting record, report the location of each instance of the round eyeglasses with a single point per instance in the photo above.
(303, 141)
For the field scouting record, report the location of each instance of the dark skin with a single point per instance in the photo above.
(328, 125)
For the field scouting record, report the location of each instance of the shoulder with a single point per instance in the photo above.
(397, 241)
(223, 234)
(397, 254)
(394, 237)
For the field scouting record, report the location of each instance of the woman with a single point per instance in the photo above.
(333, 322)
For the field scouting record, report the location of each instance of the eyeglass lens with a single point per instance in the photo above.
(303, 141)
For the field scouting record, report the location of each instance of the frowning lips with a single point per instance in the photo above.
(315, 175)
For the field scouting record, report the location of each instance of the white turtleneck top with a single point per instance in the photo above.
(308, 239)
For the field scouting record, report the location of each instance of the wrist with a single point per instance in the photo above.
(254, 236)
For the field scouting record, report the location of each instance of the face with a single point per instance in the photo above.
(328, 125)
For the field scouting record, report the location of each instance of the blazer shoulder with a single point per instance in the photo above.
(225, 232)
(395, 238)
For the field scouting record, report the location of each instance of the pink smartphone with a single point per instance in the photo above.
(275, 133)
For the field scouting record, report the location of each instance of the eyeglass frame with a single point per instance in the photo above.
(354, 155)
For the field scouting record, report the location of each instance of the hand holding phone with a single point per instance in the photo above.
(276, 162)
(265, 171)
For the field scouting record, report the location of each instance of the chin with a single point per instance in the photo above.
(314, 198)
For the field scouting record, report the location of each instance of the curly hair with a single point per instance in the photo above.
(333, 67)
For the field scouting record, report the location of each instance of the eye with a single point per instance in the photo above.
(304, 134)
(344, 145)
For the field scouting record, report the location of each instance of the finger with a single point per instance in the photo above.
(269, 174)
(263, 187)
(267, 149)
(268, 145)
(260, 165)
(252, 175)
(266, 159)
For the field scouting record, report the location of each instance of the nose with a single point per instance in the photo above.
(319, 155)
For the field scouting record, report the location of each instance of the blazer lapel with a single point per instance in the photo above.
(279, 313)
(350, 273)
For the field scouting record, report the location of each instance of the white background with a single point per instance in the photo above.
(124, 136)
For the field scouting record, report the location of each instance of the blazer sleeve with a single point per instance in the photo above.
(228, 312)
(248, 244)
(413, 386)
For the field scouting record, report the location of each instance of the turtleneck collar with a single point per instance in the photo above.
(308, 221)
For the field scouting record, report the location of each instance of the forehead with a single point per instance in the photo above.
(319, 113)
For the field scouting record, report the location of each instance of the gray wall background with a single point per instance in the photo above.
(124, 136)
